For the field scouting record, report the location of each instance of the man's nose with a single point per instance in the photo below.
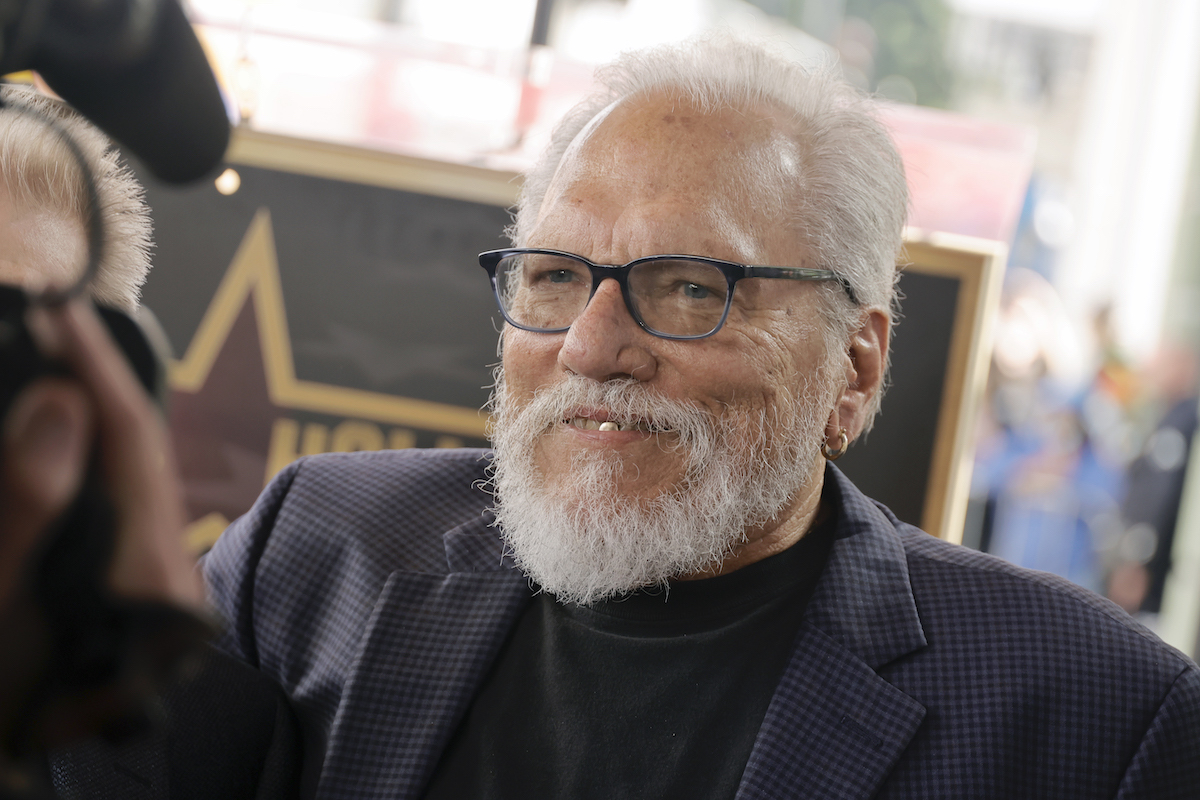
(605, 342)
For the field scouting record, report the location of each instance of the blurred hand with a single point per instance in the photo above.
(47, 439)
(55, 428)
(45, 442)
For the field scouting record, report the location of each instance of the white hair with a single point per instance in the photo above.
(852, 199)
(38, 171)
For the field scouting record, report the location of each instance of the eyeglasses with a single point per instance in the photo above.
(672, 296)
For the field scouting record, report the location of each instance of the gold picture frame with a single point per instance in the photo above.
(978, 267)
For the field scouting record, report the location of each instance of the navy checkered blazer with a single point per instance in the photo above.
(372, 587)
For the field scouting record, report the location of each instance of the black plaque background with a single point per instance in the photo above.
(382, 287)
(384, 293)
(893, 462)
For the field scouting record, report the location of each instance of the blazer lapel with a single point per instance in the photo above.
(430, 642)
(133, 771)
(835, 728)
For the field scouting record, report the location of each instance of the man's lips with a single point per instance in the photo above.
(595, 419)
(608, 425)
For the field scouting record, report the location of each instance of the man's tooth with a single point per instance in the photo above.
(608, 426)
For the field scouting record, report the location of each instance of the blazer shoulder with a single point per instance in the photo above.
(1026, 611)
(1025, 668)
(326, 533)
(392, 507)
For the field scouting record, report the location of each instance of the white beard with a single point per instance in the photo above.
(584, 542)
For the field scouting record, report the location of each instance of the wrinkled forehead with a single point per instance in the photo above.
(648, 146)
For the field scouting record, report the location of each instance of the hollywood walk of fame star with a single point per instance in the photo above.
(236, 403)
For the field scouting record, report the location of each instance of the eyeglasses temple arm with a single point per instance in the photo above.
(802, 274)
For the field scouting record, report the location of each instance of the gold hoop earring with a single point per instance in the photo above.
(843, 446)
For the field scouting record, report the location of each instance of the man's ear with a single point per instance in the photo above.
(864, 375)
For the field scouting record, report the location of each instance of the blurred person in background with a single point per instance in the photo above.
(1050, 462)
(1082, 474)
(1139, 555)
(227, 730)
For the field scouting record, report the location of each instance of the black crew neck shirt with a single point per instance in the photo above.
(656, 694)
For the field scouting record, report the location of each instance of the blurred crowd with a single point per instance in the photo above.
(1080, 470)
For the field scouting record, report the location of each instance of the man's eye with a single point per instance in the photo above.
(695, 291)
(560, 276)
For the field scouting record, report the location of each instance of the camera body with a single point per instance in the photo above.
(20, 362)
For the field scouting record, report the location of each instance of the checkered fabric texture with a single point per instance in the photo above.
(374, 589)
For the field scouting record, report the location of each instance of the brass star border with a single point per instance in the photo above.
(254, 275)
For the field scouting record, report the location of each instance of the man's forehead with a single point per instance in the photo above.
(660, 143)
(663, 121)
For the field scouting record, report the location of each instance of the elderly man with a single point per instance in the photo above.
(657, 585)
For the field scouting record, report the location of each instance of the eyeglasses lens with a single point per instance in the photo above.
(679, 297)
(543, 291)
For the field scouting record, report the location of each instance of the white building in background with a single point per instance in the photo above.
(1112, 86)
(1132, 162)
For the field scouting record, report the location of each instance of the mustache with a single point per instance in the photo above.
(625, 401)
